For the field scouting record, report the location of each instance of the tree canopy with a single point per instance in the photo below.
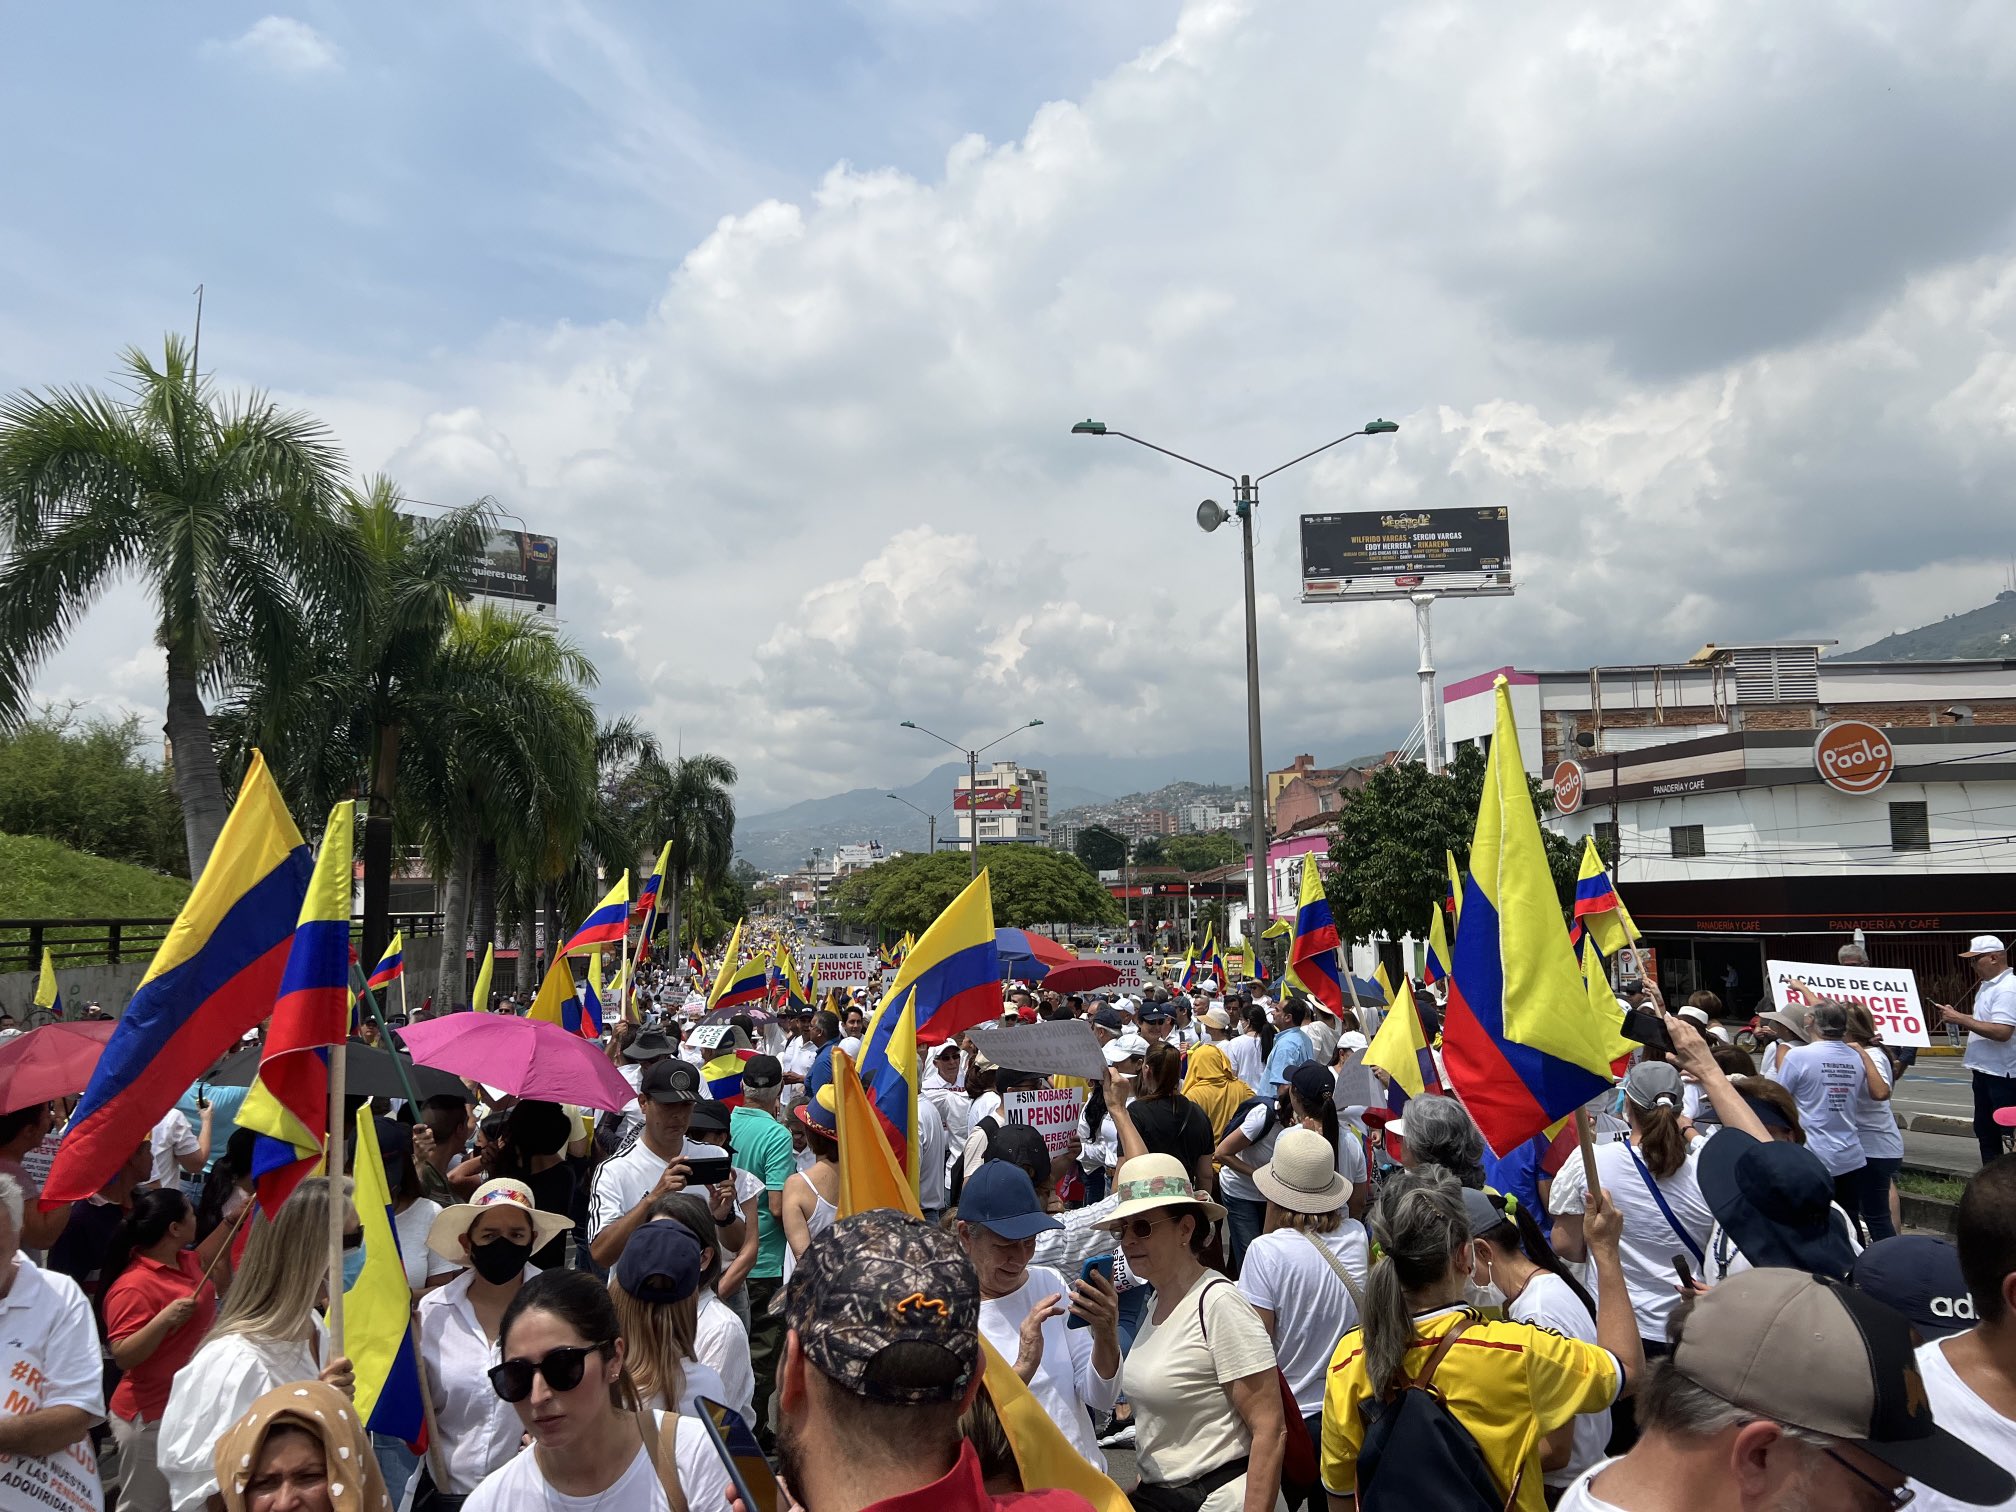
(1031, 885)
(87, 782)
(1195, 853)
(1099, 848)
(1386, 869)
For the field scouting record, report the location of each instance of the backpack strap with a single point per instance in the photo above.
(1330, 1257)
(1652, 1186)
(663, 1465)
(1424, 1380)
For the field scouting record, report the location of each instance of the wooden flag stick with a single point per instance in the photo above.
(225, 1248)
(338, 1203)
(1586, 1137)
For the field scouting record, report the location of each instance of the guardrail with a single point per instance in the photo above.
(115, 942)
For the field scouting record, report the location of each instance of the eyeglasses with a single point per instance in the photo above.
(1138, 1228)
(352, 1238)
(563, 1369)
(1893, 1499)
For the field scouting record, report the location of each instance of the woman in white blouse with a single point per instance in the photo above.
(267, 1334)
(495, 1234)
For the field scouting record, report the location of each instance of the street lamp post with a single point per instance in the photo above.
(972, 755)
(1210, 515)
(930, 819)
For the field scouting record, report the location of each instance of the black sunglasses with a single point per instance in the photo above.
(563, 1369)
(352, 1238)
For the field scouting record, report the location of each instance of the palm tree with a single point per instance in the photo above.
(225, 509)
(695, 810)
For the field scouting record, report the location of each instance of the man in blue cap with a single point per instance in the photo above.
(1025, 1309)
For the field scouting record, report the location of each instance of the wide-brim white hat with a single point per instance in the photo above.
(1148, 1182)
(451, 1223)
(1302, 1177)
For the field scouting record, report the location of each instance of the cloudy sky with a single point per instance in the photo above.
(777, 315)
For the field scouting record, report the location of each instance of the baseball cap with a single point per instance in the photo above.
(670, 1080)
(1001, 1198)
(1982, 945)
(1312, 1082)
(711, 1117)
(1920, 1276)
(1109, 1018)
(649, 1044)
(660, 1262)
(1776, 1203)
(888, 1307)
(1021, 1146)
(762, 1071)
(1125, 1048)
(1156, 1013)
(1651, 1083)
(1818, 1355)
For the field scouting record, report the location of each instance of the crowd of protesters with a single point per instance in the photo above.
(1271, 1294)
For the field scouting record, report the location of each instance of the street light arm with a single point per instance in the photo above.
(1308, 454)
(999, 738)
(1168, 453)
(913, 725)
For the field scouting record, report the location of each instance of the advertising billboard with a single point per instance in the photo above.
(1391, 553)
(520, 568)
(987, 800)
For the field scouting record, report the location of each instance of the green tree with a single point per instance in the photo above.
(1031, 886)
(1149, 851)
(87, 783)
(225, 510)
(1195, 853)
(1099, 848)
(690, 803)
(1386, 869)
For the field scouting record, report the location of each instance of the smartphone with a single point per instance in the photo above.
(1103, 1264)
(741, 1456)
(709, 1170)
(1685, 1272)
(1647, 1028)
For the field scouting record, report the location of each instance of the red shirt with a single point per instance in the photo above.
(142, 1290)
(962, 1489)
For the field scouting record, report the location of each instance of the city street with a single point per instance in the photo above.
(1938, 1086)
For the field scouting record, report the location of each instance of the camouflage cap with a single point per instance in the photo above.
(889, 1308)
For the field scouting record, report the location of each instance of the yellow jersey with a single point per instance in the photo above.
(1508, 1384)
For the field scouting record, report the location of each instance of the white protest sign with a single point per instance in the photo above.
(840, 966)
(709, 1036)
(1890, 995)
(1126, 960)
(1051, 1111)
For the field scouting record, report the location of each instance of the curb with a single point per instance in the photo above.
(1933, 1214)
(1938, 1123)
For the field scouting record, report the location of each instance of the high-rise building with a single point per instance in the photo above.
(1010, 802)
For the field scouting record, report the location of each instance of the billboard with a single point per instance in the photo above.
(519, 568)
(987, 800)
(1391, 553)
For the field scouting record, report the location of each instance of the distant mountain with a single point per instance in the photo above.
(783, 838)
(1988, 632)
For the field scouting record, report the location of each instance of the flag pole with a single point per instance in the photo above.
(338, 1202)
(385, 1040)
(1586, 1137)
(436, 1466)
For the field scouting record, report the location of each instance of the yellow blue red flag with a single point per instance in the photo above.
(889, 1070)
(378, 1307)
(1314, 953)
(48, 996)
(1598, 909)
(1402, 1051)
(607, 924)
(953, 974)
(731, 957)
(391, 965)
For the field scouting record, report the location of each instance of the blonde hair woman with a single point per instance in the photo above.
(656, 1289)
(267, 1334)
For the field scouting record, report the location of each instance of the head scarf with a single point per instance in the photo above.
(1214, 1086)
(354, 1482)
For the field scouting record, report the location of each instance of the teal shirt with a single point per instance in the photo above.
(762, 1147)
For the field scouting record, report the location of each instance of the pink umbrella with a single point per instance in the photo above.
(528, 1057)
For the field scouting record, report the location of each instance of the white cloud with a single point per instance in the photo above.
(1722, 312)
(283, 45)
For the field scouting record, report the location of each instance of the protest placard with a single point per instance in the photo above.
(1051, 1111)
(1067, 1047)
(1124, 959)
(1890, 995)
(841, 966)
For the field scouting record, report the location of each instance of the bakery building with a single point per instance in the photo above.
(1766, 802)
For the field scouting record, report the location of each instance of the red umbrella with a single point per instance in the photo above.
(51, 1062)
(1081, 976)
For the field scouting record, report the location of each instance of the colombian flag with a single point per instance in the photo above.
(1314, 954)
(1435, 968)
(1520, 1042)
(391, 966)
(1401, 1050)
(558, 1002)
(288, 1102)
(214, 977)
(607, 925)
(647, 902)
(378, 1309)
(723, 1076)
(953, 974)
(590, 1024)
(731, 955)
(889, 1071)
(747, 983)
(1598, 909)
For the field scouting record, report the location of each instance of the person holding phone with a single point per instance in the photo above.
(657, 1164)
(1025, 1308)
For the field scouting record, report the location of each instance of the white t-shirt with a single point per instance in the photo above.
(1312, 1308)
(1350, 1153)
(721, 1341)
(1579, 1498)
(1259, 1150)
(170, 1139)
(1958, 1408)
(1176, 1374)
(1827, 1080)
(1322, 1031)
(697, 1379)
(422, 1264)
(1649, 1242)
(1065, 1382)
(933, 1150)
(50, 1359)
(1548, 1303)
(1994, 1001)
(1876, 1123)
(519, 1487)
(624, 1179)
(1243, 1050)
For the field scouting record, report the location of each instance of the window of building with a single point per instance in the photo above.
(1606, 839)
(1688, 840)
(1910, 827)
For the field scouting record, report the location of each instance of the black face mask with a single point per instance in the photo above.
(498, 1260)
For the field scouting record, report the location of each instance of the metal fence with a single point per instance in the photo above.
(116, 942)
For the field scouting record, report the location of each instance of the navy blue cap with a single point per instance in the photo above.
(1155, 1012)
(1919, 1275)
(1001, 1198)
(1110, 1018)
(1312, 1082)
(1776, 1203)
(660, 1263)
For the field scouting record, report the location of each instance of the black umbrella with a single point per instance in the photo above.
(367, 1072)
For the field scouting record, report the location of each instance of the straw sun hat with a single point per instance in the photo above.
(1148, 1182)
(451, 1223)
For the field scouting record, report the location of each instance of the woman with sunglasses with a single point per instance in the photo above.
(267, 1334)
(591, 1448)
(494, 1235)
(1210, 1433)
